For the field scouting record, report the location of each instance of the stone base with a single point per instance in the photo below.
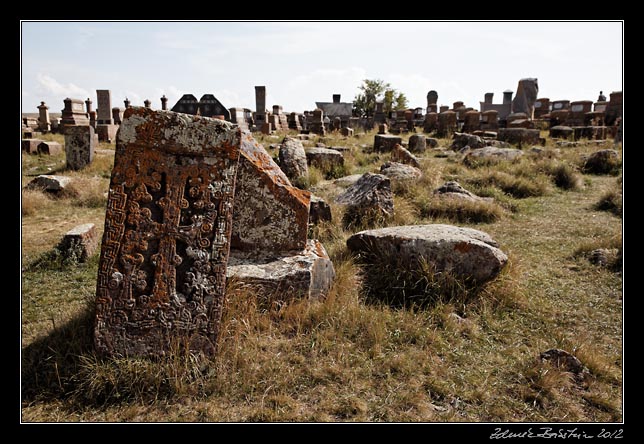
(30, 145)
(286, 275)
(80, 242)
(106, 133)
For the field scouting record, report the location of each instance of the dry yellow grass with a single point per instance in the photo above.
(350, 358)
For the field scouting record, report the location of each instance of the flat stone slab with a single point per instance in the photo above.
(306, 274)
(385, 142)
(49, 148)
(324, 158)
(51, 183)
(400, 171)
(31, 145)
(492, 153)
(465, 252)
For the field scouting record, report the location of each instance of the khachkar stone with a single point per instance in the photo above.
(79, 146)
(167, 233)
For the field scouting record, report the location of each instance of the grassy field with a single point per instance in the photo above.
(352, 358)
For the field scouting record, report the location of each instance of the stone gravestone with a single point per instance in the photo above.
(162, 270)
(105, 127)
(432, 98)
(74, 113)
(523, 102)
(79, 146)
(44, 124)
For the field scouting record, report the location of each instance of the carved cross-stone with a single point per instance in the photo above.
(166, 242)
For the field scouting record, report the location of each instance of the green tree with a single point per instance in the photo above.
(364, 103)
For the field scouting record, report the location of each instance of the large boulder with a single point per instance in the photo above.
(461, 140)
(370, 195)
(401, 155)
(292, 159)
(467, 254)
(491, 153)
(400, 171)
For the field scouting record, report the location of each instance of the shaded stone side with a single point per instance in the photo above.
(162, 270)
(80, 143)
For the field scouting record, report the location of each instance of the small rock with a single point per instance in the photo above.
(453, 189)
(463, 139)
(563, 359)
(324, 158)
(401, 155)
(50, 183)
(603, 256)
(431, 142)
(400, 171)
(80, 242)
(492, 153)
(370, 192)
(417, 143)
(602, 162)
(292, 159)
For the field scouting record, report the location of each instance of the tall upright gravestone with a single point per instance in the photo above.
(167, 234)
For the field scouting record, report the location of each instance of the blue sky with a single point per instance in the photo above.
(304, 62)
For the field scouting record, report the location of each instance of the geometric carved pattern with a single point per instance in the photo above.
(168, 223)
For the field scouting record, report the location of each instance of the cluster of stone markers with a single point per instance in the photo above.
(195, 200)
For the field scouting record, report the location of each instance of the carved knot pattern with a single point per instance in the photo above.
(165, 249)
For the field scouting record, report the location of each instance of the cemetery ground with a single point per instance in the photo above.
(463, 356)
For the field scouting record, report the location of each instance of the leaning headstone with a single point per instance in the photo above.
(79, 146)
(293, 159)
(166, 242)
(50, 148)
(80, 242)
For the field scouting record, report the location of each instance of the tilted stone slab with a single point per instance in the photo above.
(162, 270)
(269, 213)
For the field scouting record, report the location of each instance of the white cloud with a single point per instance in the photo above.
(51, 86)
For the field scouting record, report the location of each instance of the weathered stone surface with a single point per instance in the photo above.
(400, 171)
(417, 143)
(79, 146)
(282, 276)
(602, 162)
(346, 132)
(401, 155)
(385, 142)
(80, 242)
(319, 210)
(527, 92)
(561, 132)
(461, 140)
(324, 158)
(447, 124)
(30, 145)
(269, 213)
(566, 361)
(431, 142)
(293, 159)
(166, 241)
(453, 189)
(347, 180)
(492, 153)
(372, 192)
(50, 183)
(49, 148)
(519, 136)
(467, 253)
(106, 133)
(74, 113)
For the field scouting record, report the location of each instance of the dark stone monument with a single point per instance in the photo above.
(79, 146)
(164, 103)
(166, 242)
(432, 98)
(44, 124)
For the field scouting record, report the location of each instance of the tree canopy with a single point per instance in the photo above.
(373, 90)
